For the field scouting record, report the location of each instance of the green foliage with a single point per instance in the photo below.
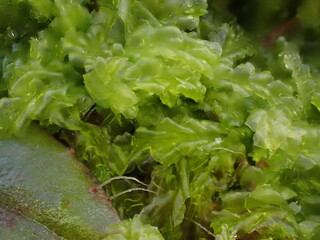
(132, 229)
(213, 106)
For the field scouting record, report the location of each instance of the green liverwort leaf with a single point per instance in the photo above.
(133, 229)
(171, 140)
(104, 85)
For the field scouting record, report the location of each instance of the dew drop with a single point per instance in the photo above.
(12, 33)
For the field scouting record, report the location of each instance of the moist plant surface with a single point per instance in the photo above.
(200, 119)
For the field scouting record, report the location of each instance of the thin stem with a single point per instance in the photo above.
(122, 178)
(130, 190)
(203, 228)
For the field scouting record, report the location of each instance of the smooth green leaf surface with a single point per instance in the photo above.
(15, 226)
(45, 190)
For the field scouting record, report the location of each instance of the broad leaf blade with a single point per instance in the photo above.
(40, 179)
(15, 226)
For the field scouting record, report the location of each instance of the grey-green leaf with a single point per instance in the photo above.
(45, 189)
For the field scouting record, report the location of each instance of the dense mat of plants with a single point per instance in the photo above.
(201, 119)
